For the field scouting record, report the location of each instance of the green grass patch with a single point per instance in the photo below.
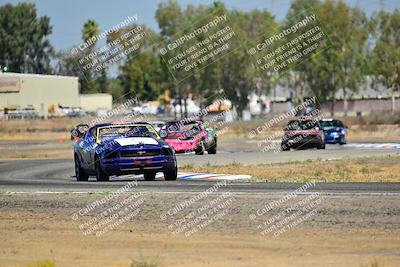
(45, 263)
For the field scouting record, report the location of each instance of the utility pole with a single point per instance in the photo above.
(180, 102)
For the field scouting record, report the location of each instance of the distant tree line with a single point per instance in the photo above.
(360, 46)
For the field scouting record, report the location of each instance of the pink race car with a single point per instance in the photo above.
(186, 136)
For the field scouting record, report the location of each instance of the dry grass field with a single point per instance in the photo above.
(369, 169)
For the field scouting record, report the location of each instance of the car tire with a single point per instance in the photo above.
(101, 176)
(149, 176)
(285, 147)
(79, 172)
(200, 149)
(171, 175)
(322, 146)
(213, 149)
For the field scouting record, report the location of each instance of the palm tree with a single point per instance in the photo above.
(90, 30)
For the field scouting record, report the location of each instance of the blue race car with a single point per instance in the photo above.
(335, 131)
(119, 149)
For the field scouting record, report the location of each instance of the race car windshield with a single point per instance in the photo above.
(331, 124)
(301, 125)
(126, 131)
(189, 129)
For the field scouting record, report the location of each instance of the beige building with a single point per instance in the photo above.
(94, 102)
(19, 91)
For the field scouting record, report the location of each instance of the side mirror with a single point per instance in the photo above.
(74, 134)
(79, 131)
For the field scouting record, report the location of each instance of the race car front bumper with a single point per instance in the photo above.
(120, 166)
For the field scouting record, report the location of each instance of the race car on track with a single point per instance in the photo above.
(119, 149)
(303, 133)
(335, 131)
(187, 136)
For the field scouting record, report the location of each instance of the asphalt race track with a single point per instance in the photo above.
(57, 175)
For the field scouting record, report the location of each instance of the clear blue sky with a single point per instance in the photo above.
(68, 16)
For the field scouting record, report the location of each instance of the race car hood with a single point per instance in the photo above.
(182, 145)
(114, 143)
(133, 141)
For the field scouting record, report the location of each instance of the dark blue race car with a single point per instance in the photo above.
(335, 131)
(119, 149)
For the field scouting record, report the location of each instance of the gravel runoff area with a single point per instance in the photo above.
(219, 228)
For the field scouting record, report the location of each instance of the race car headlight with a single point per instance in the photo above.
(343, 132)
(335, 134)
(168, 150)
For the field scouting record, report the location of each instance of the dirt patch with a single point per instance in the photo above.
(374, 133)
(55, 148)
(345, 231)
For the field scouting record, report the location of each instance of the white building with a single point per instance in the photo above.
(19, 91)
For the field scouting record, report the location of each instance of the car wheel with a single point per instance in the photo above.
(171, 175)
(200, 149)
(149, 176)
(343, 141)
(213, 149)
(321, 146)
(285, 147)
(79, 172)
(101, 176)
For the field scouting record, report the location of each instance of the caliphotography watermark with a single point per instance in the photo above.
(110, 211)
(298, 133)
(116, 28)
(282, 117)
(122, 40)
(301, 130)
(290, 45)
(280, 216)
(200, 211)
(119, 111)
(198, 46)
(194, 133)
(221, 122)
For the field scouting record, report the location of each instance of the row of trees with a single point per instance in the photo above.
(360, 47)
